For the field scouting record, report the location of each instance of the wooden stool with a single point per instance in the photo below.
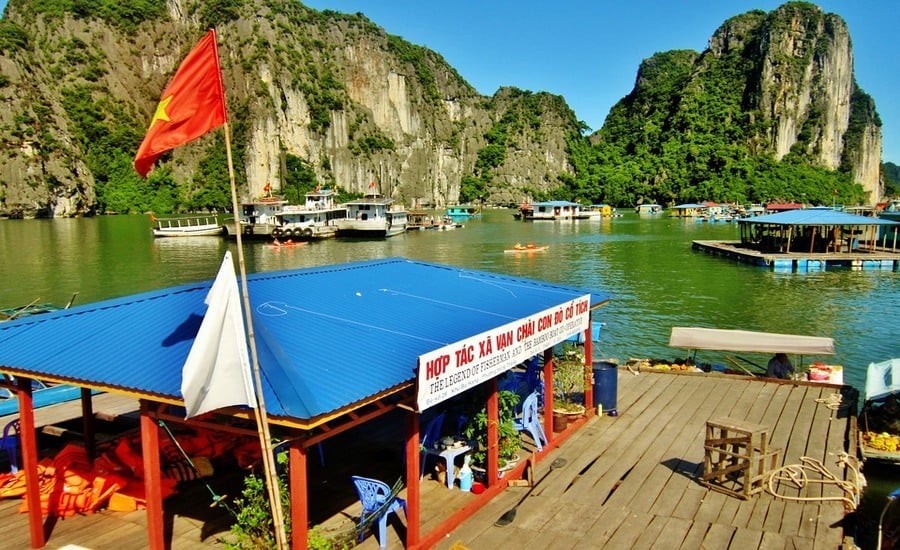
(737, 457)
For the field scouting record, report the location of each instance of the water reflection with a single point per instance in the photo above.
(656, 280)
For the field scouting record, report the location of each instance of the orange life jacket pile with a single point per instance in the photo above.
(70, 484)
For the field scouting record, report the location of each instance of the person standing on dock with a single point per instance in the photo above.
(779, 366)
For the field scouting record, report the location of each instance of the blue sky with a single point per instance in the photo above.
(588, 51)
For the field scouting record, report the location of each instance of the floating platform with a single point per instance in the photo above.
(802, 262)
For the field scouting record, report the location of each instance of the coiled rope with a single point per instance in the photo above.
(795, 475)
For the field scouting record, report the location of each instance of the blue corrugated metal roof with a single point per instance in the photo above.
(327, 337)
(815, 216)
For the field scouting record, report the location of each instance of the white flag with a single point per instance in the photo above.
(217, 371)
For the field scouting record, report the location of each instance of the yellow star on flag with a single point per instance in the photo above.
(160, 113)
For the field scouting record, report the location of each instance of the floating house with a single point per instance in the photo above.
(811, 239)
(648, 209)
(553, 210)
(471, 328)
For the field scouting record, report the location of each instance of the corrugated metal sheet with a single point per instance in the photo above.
(815, 216)
(327, 337)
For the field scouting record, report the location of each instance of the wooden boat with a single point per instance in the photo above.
(32, 308)
(527, 248)
(879, 421)
(191, 226)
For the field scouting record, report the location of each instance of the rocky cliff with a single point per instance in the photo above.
(770, 85)
(355, 103)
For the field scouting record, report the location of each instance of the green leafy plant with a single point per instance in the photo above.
(568, 379)
(509, 441)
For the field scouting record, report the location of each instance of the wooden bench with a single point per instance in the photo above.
(737, 457)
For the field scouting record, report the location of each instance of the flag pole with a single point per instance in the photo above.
(262, 419)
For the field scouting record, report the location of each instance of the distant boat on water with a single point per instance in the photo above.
(189, 226)
(372, 216)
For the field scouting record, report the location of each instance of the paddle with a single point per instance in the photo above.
(509, 515)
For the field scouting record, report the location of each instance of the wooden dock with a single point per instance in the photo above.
(865, 260)
(627, 482)
(632, 481)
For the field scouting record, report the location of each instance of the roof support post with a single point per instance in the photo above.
(28, 440)
(588, 372)
(413, 502)
(548, 393)
(87, 423)
(299, 495)
(493, 433)
(152, 477)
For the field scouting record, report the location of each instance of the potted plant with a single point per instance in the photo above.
(475, 430)
(568, 381)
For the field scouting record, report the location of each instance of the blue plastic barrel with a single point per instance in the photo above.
(606, 385)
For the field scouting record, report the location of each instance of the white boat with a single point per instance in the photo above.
(259, 218)
(192, 226)
(372, 216)
(315, 219)
(596, 212)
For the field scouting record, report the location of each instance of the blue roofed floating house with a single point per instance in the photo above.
(335, 350)
(811, 239)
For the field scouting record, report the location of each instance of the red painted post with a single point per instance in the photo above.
(28, 439)
(298, 491)
(152, 478)
(493, 439)
(413, 503)
(548, 392)
(588, 372)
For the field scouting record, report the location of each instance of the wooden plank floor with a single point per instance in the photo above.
(629, 481)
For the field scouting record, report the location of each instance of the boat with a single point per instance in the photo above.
(189, 226)
(879, 420)
(258, 218)
(372, 216)
(315, 219)
(32, 308)
(286, 244)
(596, 212)
(739, 341)
(527, 248)
(553, 211)
(648, 209)
(43, 395)
(462, 212)
(419, 220)
(525, 211)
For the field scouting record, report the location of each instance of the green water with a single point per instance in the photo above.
(655, 279)
(646, 264)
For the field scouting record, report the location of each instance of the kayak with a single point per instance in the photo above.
(287, 244)
(528, 248)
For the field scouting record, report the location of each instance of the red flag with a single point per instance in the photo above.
(192, 105)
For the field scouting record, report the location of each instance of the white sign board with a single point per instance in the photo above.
(459, 366)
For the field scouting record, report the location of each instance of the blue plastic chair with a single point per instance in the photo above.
(10, 444)
(530, 422)
(374, 496)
